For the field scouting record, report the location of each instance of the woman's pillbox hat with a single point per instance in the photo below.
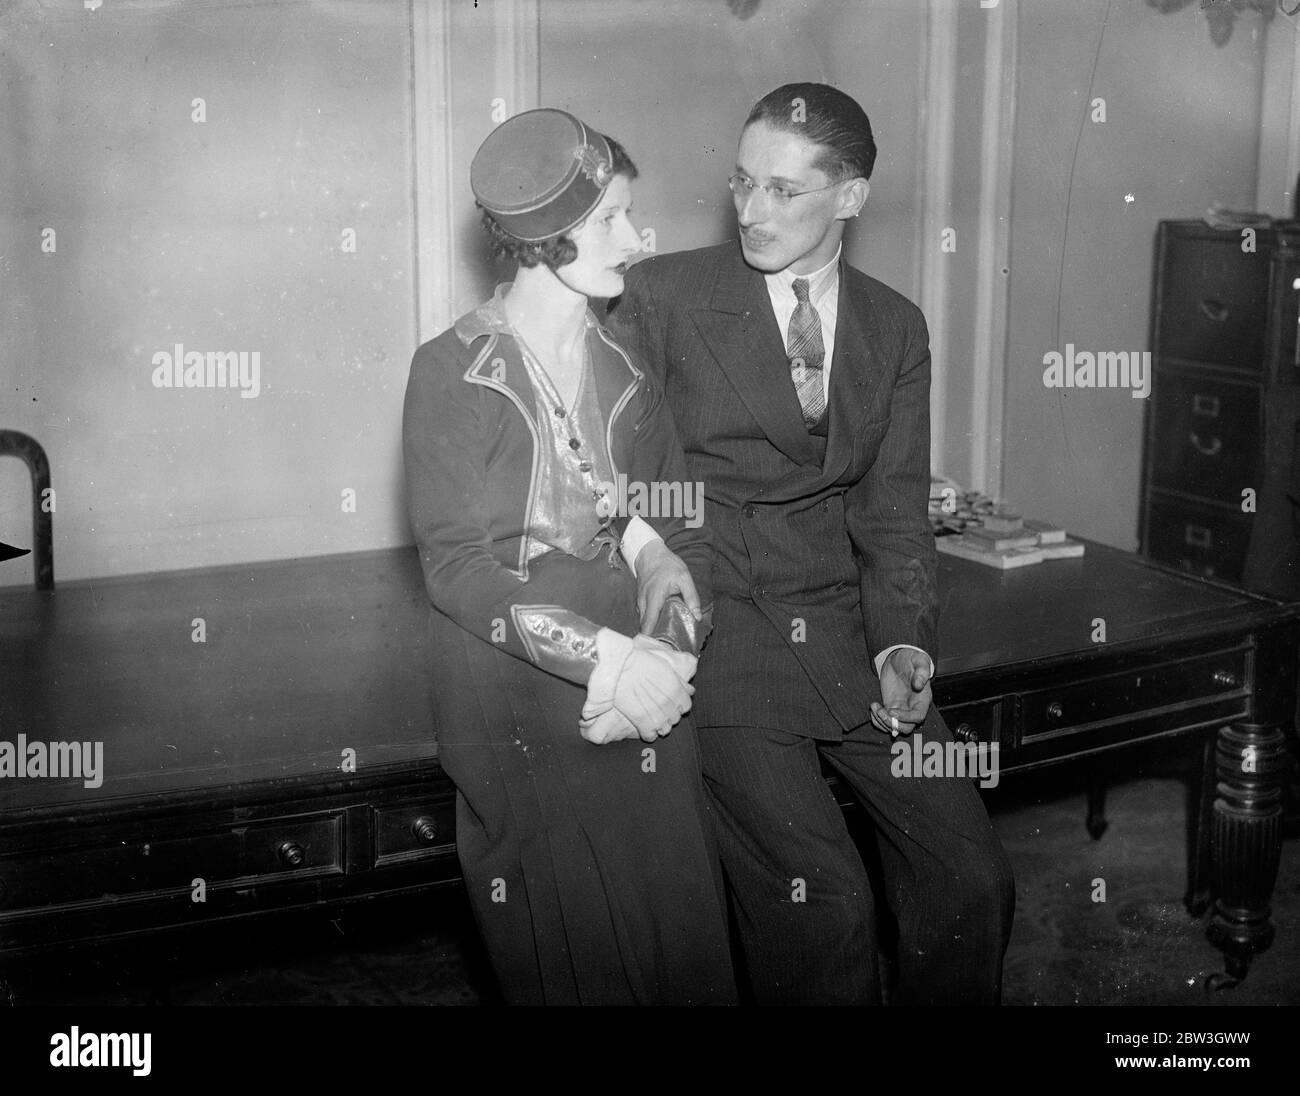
(540, 173)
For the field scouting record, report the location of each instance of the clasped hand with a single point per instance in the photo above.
(905, 692)
(640, 688)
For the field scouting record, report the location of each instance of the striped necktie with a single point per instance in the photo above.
(806, 353)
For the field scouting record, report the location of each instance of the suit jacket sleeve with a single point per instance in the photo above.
(659, 459)
(635, 323)
(887, 512)
(443, 441)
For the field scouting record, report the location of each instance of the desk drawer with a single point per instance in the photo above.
(414, 830)
(978, 722)
(106, 870)
(1131, 695)
(116, 865)
(303, 844)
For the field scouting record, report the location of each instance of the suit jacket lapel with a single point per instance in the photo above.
(740, 330)
(855, 375)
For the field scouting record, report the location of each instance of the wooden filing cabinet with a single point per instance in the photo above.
(1223, 416)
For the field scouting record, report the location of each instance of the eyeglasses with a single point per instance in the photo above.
(743, 185)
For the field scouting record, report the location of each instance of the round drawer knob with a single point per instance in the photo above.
(964, 732)
(1054, 710)
(425, 830)
(291, 854)
(1226, 678)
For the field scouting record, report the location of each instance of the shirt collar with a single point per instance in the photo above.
(819, 281)
(490, 318)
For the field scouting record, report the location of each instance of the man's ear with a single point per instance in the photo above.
(852, 198)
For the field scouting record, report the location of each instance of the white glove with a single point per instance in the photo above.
(682, 665)
(609, 726)
(640, 686)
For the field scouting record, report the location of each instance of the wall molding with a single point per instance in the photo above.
(939, 86)
(516, 30)
(432, 190)
(989, 360)
(938, 99)
(1279, 118)
(516, 27)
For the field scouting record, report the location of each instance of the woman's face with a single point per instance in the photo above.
(605, 242)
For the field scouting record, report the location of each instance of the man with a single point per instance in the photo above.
(800, 388)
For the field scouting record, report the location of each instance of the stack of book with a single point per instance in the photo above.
(1004, 539)
(953, 508)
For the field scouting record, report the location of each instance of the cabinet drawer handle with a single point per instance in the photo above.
(964, 732)
(1205, 405)
(1213, 310)
(424, 830)
(1054, 710)
(1198, 536)
(1211, 450)
(1225, 678)
(291, 854)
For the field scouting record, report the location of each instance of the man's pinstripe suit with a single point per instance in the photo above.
(824, 558)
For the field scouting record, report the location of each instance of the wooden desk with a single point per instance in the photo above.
(288, 760)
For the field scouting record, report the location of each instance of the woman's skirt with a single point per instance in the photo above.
(591, 870)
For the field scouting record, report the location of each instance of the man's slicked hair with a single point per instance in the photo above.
(827, 117)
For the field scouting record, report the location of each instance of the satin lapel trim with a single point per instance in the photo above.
(741, 332)
(617, 380)
(507, 376)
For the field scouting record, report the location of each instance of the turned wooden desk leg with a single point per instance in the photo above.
(1200, 822)
(1250, 759)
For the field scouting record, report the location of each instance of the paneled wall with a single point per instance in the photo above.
(222, 225)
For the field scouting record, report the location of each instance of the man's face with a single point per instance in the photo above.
(803, 234)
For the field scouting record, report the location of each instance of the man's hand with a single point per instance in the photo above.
(905, 690)
(660, 573)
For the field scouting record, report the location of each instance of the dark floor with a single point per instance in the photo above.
(1138, 947)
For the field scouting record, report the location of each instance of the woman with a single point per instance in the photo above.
(581, 824)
